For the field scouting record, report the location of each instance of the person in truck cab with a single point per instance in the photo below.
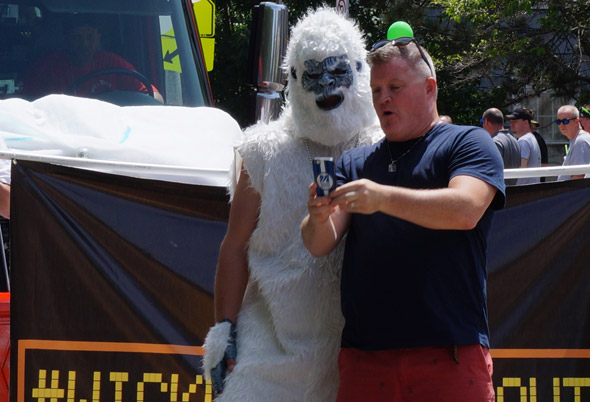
(63, 71)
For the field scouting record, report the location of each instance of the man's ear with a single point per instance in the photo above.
(431, 85)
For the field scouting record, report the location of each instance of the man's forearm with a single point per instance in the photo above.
(231, 280)
(5, 200)
(318, 238)
(457, 207)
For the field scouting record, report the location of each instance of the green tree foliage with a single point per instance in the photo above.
(486, 52)
(229, 76)
(518, 49)
(229, 80)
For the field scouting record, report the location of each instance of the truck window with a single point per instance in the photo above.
(121, 51)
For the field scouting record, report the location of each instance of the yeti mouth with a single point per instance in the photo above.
(331, 102)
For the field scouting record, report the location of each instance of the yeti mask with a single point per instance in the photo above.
(325, 79)
(328, 93)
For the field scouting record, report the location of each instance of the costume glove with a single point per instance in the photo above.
(220, 345)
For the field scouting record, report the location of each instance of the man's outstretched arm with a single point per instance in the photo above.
(459, 206)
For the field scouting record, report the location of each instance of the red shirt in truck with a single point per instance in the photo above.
(56, 72)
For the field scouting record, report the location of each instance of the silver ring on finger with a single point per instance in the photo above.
(352, 204)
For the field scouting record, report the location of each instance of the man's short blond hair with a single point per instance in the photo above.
(569, 109)
(409, 53)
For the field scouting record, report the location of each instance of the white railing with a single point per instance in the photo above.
(220, 178)
(546, 171)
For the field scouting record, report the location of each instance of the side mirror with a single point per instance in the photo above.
(268, 44)
(205, 17)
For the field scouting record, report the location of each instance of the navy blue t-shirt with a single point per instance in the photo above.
(404, 285)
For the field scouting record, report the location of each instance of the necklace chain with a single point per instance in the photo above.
(306, 143)
(392, 167)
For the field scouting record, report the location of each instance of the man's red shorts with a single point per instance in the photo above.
(430, 374)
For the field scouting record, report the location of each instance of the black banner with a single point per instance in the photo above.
(112, 282)
(539, 293)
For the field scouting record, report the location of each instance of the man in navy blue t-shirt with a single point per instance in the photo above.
(417, 208)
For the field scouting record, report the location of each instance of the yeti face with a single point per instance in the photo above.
(328, 93)
(325, 79)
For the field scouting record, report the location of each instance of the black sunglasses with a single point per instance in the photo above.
(584, 112)
(565, 122)
(404, 41)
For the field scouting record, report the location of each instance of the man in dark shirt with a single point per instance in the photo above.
(493, 122)
(417, 207)
(541, 141)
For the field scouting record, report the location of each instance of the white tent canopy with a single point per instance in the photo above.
(192, 145)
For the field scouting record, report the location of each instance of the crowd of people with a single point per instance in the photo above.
(523, 146)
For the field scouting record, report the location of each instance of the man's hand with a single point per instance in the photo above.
(361, 196)
(319, 208)
(324, 226)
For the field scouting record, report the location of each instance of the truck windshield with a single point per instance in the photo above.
(127, 52)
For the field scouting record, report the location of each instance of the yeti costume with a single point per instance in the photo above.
(289, 325)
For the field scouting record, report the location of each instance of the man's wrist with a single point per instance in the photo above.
(226, 320)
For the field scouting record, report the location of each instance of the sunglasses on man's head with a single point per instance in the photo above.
(565, 122)
(404, 41)
(584, 112)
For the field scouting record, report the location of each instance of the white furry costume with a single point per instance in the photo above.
(289, 326)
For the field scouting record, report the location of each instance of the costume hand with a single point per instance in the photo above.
(360, 196)
(319, 208)
(221, 350)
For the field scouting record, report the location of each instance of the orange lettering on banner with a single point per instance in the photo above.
(53, 392)
(128, 386)
(529, 394)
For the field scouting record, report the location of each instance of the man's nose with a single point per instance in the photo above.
(382, 98)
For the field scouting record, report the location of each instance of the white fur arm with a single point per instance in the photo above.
(215, 345)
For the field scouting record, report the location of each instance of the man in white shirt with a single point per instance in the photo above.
(530, 153)
(568, 121)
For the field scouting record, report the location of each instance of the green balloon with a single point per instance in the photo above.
(399, 29)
